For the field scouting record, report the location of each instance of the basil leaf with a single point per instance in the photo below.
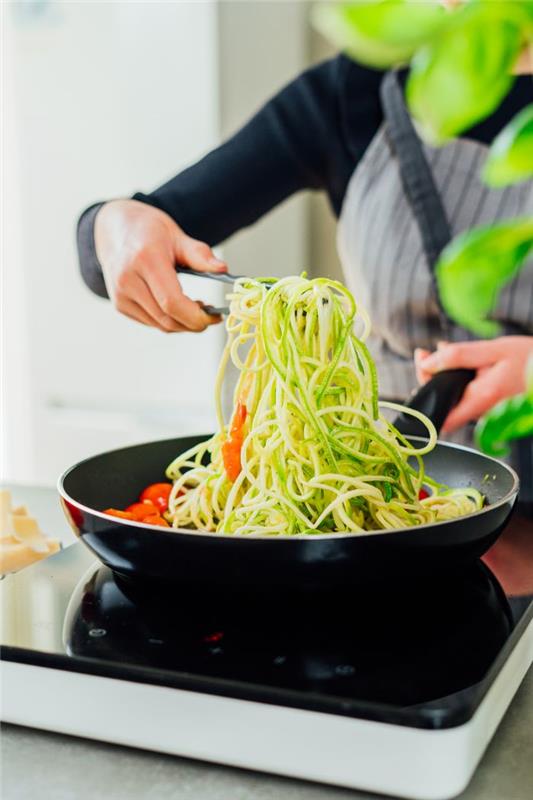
(476, 265)
(510, 158)
(529, 379)
(464, 74)
(519, 10)
(382, 33)
(509, 420)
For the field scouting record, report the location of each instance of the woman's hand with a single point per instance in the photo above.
(500, 365)
(138, 246)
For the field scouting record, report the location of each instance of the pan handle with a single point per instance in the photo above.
(435, 399)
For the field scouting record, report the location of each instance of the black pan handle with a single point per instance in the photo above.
(435, 399)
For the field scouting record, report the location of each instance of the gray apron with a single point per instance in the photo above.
(404, 202)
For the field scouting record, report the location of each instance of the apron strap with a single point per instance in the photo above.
(415, 173)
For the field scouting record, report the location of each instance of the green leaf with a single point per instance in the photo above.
(476, 265)
(382, 33)
(509, 420)
(463, 74)
(529, 379)
(519, 10)
(510, 158)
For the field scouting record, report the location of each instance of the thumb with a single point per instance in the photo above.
(420, 354)
(422, 375)
(196, 254)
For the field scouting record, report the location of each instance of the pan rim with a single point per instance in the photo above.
(509, 497)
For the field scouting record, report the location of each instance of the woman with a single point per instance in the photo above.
(343, 129)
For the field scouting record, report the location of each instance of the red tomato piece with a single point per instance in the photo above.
(116, 512)
(231, 449)
(422, 494)
(157, 494)
(231, 455)
(239, 418)
(156, 519)
(142, 510)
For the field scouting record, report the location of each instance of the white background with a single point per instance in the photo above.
(101, 100)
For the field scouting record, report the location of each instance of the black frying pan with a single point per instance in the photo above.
(140, 551)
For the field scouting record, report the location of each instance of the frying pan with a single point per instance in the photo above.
(185, 557)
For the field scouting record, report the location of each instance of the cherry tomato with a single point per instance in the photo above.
(422, 494)
(116, 512)
(156, 519)
(142, 510)
(157, 494)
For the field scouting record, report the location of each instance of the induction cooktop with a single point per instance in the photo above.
(396, 689)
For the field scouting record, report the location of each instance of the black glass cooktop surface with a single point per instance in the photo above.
(421, 653)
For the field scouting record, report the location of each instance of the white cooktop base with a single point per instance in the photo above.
(360, 754)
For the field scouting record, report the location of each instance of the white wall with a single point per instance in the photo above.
(101, 99)
(263, 46)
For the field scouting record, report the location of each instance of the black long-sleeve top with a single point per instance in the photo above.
(310, 135)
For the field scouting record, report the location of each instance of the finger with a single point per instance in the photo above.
(169, 296)
(197, 255)
(471, 355)
(214, 319)
(131, 288)
(481, 394)
(131, 309)
(422, 375)
(144, 297)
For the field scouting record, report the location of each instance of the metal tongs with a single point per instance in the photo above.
(221, 277)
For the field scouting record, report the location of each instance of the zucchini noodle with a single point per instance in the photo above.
(307, 450)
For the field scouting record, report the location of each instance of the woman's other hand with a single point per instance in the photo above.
(137, 246)
(500, 366)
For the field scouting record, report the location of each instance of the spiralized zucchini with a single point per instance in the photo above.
(307, 450)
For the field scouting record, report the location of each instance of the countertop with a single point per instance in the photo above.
(43, 503)
(37, 763)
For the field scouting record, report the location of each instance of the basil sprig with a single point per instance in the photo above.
(476, 265)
